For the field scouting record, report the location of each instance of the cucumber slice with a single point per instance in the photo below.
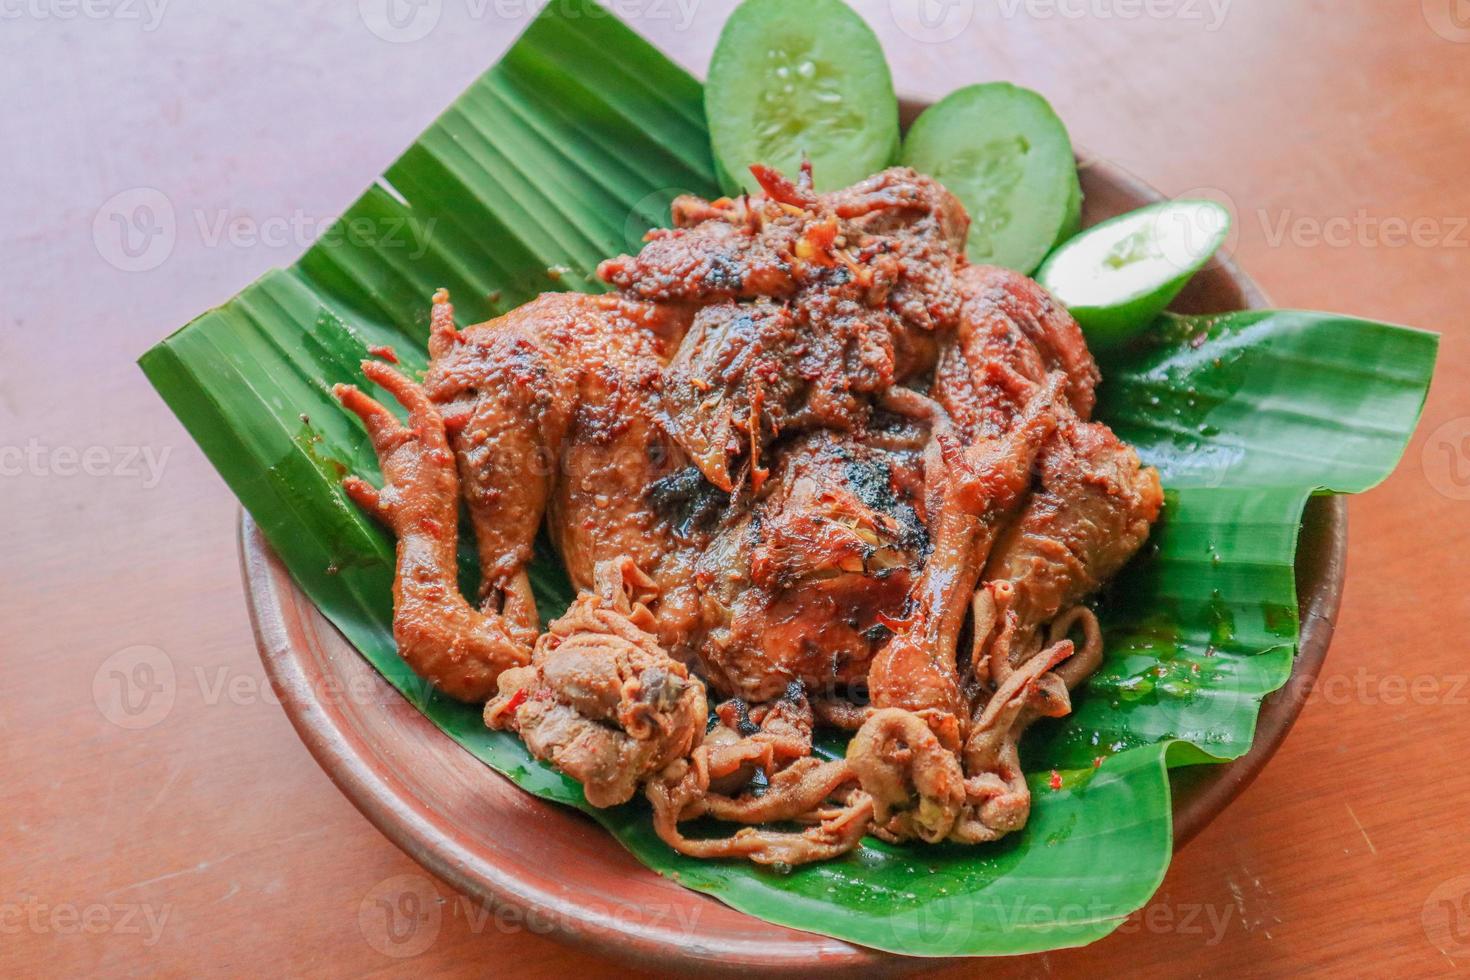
(1118, 277)
(1004, 153)
(789, 78)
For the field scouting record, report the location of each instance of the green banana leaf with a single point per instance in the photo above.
(564, 153)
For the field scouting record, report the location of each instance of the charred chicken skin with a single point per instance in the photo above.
(807, 467)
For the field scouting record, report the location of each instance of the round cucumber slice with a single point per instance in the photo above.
(1004, 153)
(1118, 277)
(790, 78)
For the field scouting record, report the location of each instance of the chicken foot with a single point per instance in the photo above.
(460, 649)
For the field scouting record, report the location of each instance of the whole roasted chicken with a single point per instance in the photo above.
(807, 467)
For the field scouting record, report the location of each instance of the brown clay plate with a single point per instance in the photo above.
(498, 844)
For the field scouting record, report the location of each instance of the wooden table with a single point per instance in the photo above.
(197, 835)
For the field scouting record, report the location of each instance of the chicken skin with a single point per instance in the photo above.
(804, 459)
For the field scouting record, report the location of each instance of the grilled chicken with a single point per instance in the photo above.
(804, 461)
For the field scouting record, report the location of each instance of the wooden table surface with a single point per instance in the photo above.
(196, 836)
